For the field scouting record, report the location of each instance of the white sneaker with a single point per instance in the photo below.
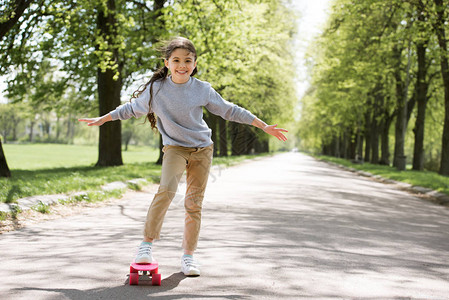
(144, 254)
(189, 266)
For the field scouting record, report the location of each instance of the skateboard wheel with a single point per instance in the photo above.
(155, 271)
(132, 270)
(133, 278)
(156, 279)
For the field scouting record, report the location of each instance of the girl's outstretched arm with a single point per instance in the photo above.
(97, 121)
(270, 129)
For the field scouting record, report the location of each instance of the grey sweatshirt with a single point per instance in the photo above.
(179, 110)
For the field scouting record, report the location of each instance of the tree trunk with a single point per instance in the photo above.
(359, 146)
(352, 149)
(375, 128)
(67, 133)
(325, 149)
(238, 139)
(212, 122)
(441, 34)
(109, 152)
(4, 133)
(161, 154)
(367, 135)
(158, 5)
(58, 127)
(5, 27)
(30, 139)
(16, 121)
(258, 145)
(4, 169)
(266, 146)
(223, 137)
(128, 136)
(19, 8)
(385, 140)
(46, 127)
(422, 87)
(337, 146)
(250, 140)
(374, 143)
(157, 8)
(343, 144)
(399, 160)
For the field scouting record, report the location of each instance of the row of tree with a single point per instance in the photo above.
(79, 56)
(377, 67)
(20, 123)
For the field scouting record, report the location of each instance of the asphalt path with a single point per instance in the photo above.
(281, 227)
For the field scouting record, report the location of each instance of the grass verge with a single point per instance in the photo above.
(425, 179)
(49, 156)
(24, 183)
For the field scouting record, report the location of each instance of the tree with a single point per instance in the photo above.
(244, 51)
(439, 27)
(4, 169)
(422, 84)
(351, 71)
(13, 11)
(109, 80)
(10, 117)
(98, 46)
(378, 59)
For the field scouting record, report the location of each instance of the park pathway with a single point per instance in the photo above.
(281, 227)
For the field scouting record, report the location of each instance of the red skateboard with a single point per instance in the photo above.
(135, 270)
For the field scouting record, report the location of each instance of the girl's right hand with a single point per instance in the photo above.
(96, 121)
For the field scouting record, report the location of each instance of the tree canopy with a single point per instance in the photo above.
(78, 56)
(379, 64)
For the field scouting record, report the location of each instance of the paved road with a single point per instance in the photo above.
(282, 227)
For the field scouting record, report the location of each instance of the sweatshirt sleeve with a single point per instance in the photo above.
(227, 110)
(136, 108)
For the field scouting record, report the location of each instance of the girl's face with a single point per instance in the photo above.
(181, 64)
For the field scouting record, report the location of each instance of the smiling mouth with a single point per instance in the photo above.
(181, 72)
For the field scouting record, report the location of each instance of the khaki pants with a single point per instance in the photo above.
(197, 162)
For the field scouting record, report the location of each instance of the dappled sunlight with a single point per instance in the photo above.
(330, 235)
(286, 226)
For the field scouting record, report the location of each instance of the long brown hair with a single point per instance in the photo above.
(162, 73)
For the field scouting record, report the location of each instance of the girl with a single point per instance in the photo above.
(177, 98)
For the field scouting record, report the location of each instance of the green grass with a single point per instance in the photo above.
(24, 183)
(426, 179)
(42, 208)
(40, 169)
(45, 156)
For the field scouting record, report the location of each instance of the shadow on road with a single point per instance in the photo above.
(141, 291)
(304, 231)
(167, 284)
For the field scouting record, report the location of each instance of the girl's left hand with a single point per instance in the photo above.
(93, 121)
(97, 121)
(276, 132)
